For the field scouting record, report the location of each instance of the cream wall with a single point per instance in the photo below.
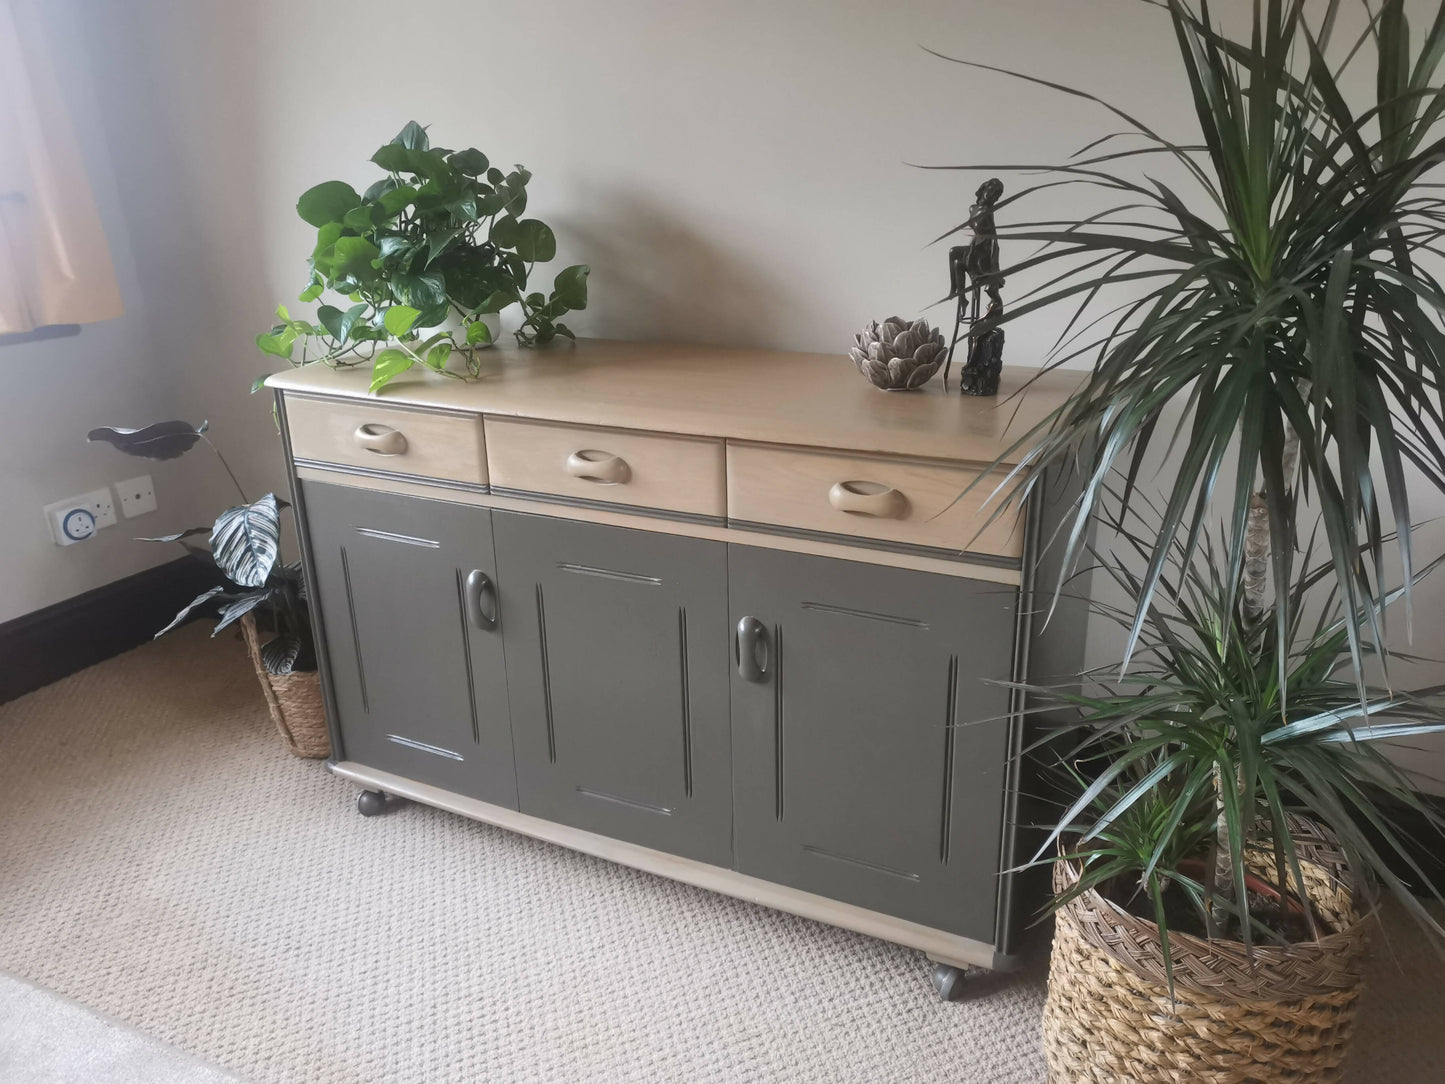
(56, 390)
(734, 172)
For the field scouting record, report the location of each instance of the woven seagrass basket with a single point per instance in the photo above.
(1285, 1020)
(294, 700)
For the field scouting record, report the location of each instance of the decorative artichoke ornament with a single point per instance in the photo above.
(896, 355)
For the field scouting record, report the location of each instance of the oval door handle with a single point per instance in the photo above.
(478, 586)
(600, 467)
(752, 636)
(381, 439)
(868, 499)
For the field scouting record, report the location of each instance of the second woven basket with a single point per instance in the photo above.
(1284, 1018)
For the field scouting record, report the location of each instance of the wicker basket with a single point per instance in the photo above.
(1286, 1019)
(294, 699)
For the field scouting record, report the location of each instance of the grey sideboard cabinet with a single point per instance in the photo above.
(733, 617)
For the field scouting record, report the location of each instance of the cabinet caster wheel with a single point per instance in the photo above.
(949, 981)
(371, 803)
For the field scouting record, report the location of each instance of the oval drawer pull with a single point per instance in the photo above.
(600, 467)
(868, 499)
(381, 439)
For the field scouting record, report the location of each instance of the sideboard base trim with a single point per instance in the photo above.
(939, 945)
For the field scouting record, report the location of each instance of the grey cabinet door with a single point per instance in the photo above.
(617, 668)
(413, 637)
(864, 769)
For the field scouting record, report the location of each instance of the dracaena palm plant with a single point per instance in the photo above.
(1203, 702)
(1269, 324)
(1279, 299)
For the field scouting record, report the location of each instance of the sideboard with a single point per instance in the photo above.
(730, 616)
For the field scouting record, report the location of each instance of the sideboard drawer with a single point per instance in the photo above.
(356, 433)
(611, 466)
(902, 501)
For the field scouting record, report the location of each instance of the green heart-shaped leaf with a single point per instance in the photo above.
(389, 365)
(400, 318)
(535, 241)
(326, 202)
(570, 286)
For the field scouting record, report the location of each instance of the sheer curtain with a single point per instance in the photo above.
(55, 266)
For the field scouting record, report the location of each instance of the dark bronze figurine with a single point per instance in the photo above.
(973, 271)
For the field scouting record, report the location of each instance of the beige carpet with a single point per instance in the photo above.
(164, 861)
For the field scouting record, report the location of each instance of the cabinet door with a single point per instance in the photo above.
(617, 668)
(409, 608)
(869, 751)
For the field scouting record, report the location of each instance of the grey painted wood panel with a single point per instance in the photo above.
(617, 663)
(420, 684)
(869, 754)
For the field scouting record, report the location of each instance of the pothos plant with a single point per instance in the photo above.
(441, 235)
(245, 546)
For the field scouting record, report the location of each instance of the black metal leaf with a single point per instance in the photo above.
(163, 440)
(247, 540)
(198, 601)
(279, 655)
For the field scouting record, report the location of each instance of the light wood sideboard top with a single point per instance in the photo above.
(776, 397)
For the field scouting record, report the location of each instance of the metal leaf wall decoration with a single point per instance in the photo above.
(163, 440)
(247, 541)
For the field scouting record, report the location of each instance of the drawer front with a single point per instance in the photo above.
(892, 500)
(355, 433)
(611, 466)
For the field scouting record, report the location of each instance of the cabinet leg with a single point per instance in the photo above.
(371, 803)
(949, 981)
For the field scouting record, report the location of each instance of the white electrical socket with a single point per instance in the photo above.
(137, 496)
(77, 518)
(101, 505)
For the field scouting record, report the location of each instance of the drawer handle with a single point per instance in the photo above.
(868, 499)
(752, 635)
(381, 439)
(478, 585)
(600, 467)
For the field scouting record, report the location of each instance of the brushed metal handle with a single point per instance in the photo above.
(381, 439)
(604, 468)
(752, 635)
(868, 499)
(479, 584)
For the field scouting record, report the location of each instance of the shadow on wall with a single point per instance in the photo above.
(656, 277)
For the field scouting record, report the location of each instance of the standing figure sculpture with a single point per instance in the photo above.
(973, 271)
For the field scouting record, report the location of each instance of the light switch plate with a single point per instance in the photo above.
(137, 496)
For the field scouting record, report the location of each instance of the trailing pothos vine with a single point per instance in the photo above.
(440, 236)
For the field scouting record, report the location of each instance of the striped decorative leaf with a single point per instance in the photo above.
(279, 655)
(246, 541)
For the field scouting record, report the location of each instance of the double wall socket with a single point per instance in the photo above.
(76, 519)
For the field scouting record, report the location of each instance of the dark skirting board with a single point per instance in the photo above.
(47, 645)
